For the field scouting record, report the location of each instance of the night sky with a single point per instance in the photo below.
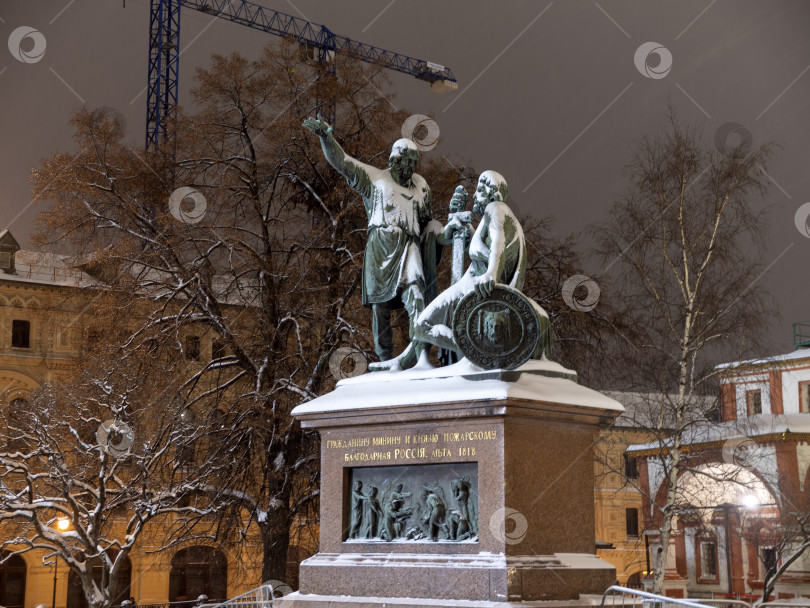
(549, 93)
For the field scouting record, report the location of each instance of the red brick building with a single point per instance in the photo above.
(744, 488)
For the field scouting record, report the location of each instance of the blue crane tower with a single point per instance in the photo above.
(320, 42)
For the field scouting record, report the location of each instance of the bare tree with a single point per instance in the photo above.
(683, 242)
(89, 471)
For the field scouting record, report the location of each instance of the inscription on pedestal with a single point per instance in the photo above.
(410, 446)
(427, 502)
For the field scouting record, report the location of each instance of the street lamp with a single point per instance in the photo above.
(62, 524)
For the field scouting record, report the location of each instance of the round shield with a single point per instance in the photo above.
(498, 332)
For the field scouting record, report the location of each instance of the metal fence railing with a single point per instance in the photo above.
(261, 597)
(624, 597)
(801, 334)
(179, 604)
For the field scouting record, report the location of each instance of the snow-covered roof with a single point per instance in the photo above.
(47, 269)
(787, 358)
(536, 380)
(752, 427)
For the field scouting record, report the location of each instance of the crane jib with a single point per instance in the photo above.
(164, 52)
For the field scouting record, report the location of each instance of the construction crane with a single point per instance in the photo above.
(320, 42)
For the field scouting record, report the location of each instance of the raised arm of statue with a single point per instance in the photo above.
(353, 170)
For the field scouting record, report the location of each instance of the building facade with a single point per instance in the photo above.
(619, 531)
(745, 492)
(44, 304)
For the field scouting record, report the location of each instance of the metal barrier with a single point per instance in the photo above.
(261, 597)
(799, 602)
(624, 597)
(179, 604)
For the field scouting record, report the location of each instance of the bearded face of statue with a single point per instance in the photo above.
(485, 193)
(491, 187)
(403, 166)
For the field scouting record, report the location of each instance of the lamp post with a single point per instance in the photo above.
(62, 524)
(55, 567)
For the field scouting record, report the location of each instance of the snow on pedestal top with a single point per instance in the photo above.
(537, 380)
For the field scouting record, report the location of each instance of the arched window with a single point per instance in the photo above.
(12, 582)
(198, 571)
(75, 595)
(634, 581)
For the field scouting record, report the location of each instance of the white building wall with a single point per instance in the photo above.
(752, 383)
(790, 388)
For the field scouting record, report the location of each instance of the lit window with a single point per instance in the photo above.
(804, 397)
(20, 334)
(753, 402)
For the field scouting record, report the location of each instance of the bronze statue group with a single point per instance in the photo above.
(404, 244)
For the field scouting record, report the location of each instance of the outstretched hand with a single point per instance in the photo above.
(318, 126)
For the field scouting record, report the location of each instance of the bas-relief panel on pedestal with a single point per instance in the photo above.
(430, 502)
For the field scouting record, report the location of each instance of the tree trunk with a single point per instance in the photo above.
(275, 543)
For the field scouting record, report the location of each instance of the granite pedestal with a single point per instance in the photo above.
(524, 437)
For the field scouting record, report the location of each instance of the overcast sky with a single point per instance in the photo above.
(549, 92)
